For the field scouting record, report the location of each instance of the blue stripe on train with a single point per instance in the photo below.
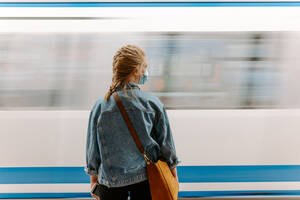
(186, 174)
(181, 194)
(152, 4)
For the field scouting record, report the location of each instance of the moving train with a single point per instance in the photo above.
(227, 73)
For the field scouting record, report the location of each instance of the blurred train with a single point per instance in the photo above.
(227, 72)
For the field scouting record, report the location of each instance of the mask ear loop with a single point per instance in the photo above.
(141, 78)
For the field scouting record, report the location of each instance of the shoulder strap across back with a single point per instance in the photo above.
(129, 124)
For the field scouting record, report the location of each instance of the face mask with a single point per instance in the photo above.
(144, 78)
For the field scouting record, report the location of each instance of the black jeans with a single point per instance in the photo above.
(138, 191)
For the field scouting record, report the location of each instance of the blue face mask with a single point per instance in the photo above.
(144, 78)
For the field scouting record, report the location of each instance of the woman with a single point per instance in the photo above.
(112, 157)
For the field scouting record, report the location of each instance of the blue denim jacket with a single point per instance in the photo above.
(111, 152)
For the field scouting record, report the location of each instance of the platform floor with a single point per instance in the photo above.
(215, 198)
(244, 198)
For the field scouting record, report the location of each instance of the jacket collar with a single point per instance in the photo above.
(130, 85)
(133, 84)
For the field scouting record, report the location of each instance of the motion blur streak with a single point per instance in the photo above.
(229, 70)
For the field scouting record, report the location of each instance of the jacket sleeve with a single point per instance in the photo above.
(92, 149)
(165, 140)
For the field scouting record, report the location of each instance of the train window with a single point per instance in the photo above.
(188, 70)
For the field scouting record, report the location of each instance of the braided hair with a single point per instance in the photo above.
(126, 59)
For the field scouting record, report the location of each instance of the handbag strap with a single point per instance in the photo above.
(130, 126)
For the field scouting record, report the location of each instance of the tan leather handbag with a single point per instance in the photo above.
(163, 185)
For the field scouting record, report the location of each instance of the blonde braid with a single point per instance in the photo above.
(126, 59)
